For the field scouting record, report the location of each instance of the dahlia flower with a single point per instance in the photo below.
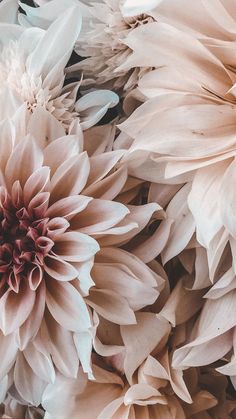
(206, 158)
(189, 130)
(57, 214)
(17, 408)
(32, 66)
(103, 39)
(152, 395)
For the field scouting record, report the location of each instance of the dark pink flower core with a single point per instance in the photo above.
(24, 240)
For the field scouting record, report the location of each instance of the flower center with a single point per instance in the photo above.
(24, 243)
(135, 21)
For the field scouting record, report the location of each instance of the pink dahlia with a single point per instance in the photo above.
(61, 270)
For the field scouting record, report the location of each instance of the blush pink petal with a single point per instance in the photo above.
(67, 306)
(29, 386)
(59, 269)
(75, 246)
(70, 177)
(141, 339)
(40, 363)
(15, 308)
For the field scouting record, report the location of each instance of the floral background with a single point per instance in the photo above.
(118, 209)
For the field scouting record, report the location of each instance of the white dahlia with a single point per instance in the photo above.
(106, 24)
(32, 66)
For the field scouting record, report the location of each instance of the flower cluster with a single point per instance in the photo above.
(117, 209)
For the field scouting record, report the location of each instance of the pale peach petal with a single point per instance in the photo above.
(182, 304)
(84, 345)
(75, 247)
(67, 306)
(109, 187)
(70, 177)
(141, 339)
(100, 215)
(16, 169)
(183, 227)
(119, 279)
(8, 352)
(62, 348)
(40, 363)
(133, 263)
(68, 207)
(71, 22)
(3, 388)
(102, 164)
(111, 306)
(225, 284)
(57, 226)
(28, 385)
(143, 394)
(45, 128)
(155, 244)
(59, 269)
(36, 183)
(15, 308)
(202, 202)
(60, 150)
(227, 206)
(202, 353)
(30, 327)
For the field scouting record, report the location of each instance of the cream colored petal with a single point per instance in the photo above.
(59, 269)
(130, 8)
(102, 164)
(68, 207)
(57, 46)
(225, 284)
(133, 263)
(36, 183)
(84, 345)
(30, 327)
(8, 352)
(70, 177)
(62, 348)
(143, 394)
(141, 339)
(60, 150)
(154, 245)
(75, 247)
(183, 227)
(202, 353)
(111, 306)
(16, 169)
(182, 304)
(109, 187)
(94, 105)
(3, 388)
(203, 203)
(121, 280)
(67, 306)
(15, 308)
(29, 386)
(227, 204)
(44, 127)
(41, 364)
(100, 215)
